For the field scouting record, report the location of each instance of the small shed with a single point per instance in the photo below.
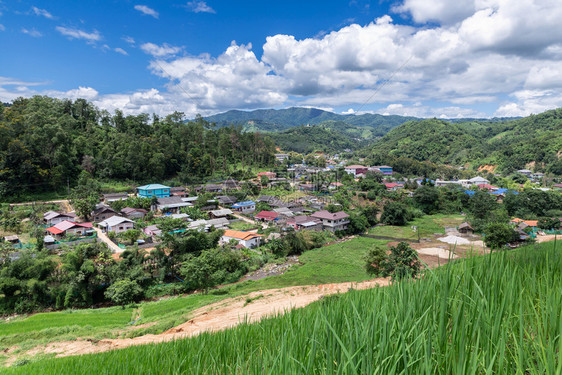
(465, 228)
(14, 239)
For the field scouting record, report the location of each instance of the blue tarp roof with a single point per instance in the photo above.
(470, 193)
(246, 203)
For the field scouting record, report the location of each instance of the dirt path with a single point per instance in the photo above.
(244, 218)
(215, 317)
(103, 238)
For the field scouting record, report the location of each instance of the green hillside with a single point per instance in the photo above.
(307, 139)
(510, 145)
(496, 314)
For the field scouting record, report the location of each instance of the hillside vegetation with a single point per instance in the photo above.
(511, 145)
(497, 313)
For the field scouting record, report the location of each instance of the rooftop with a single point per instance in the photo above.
(153, 187)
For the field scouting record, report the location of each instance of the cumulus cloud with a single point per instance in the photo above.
(163, 50)
(146, 10)
(419, 110)
(235, 79)
(73, 33)
(200, 7)
(42, 12)
(32, 32)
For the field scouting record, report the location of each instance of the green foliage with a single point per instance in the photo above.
(508, 144)
(549, 223)
(498, 297)
(213, 267)
(427, 199)
(403, 262)
(376, 260)
(124, 292)
(46, 143)
(395, 213)
(499, 235)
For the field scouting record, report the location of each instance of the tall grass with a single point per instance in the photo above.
(493, 314)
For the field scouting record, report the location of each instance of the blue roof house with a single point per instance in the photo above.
(153, 190)
(244, 207)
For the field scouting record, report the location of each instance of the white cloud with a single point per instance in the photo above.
(73, 33)
(121, 51)
(443, 11)
(129, 40)
(2, 27)
(427, 111)
(42, 12)
(146, 10)
(200, 7)
(34, 33)
(163, 50)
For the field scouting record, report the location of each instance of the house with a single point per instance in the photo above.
(487, 187)
(332, 222)
(267, 174)
(392, 186)
(281, 157)
(536, 176)
(65, 228)
(525, 172)
(226, 200)
(152, 230)
(465, 228)
(335, 185)
(475, 181)
(244, 207)
(220, 223)
(304, 222)
(53, 217)
(213, 188)
(133, 213)
(523, 224)
(557, 186)
(384, 169)
(13, 239)
(267, 216)
(440, 183)
(116, 224)
(178, 191)
(231, 184)
(113, 197)
(215, 214)
(308, 187)
(102, 212)
(153, 190)
(184, 217)
(284, 211)
(172, 204)
(356, 169)
(246, 239)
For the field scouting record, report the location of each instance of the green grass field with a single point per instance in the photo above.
(426, 225)
(493, 314)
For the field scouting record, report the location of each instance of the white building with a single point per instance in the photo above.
(116, 224)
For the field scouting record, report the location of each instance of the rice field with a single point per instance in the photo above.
(494, 314)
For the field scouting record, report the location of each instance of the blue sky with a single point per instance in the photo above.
(468, 58)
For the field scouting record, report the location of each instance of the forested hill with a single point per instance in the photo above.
(45, 143)
(510, 145)
(283, 119)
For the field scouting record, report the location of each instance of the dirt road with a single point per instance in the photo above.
(214, 317)
(103, 238)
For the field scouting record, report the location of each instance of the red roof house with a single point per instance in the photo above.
(267, 216)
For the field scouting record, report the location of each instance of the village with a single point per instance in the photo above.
(252, 212)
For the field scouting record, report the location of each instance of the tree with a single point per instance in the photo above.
(549, 223)
(498, 235)
(132, 235)
(403, 262)
(395, 213)
(124, 292)
(426, 198)
(376, 260)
